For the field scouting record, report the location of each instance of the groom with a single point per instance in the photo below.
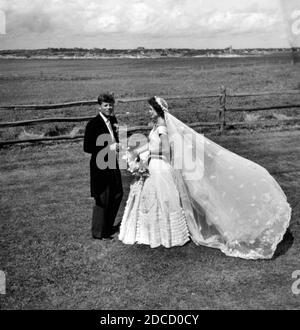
(101, 140)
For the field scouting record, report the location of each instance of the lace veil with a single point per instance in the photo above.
(230, 202)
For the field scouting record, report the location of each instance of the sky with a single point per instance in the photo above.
(121, 24)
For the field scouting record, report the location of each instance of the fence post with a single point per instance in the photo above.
(222, 109)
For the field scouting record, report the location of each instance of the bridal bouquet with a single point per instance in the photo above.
(137, 166)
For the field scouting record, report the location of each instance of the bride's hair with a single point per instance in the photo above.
(157, 107)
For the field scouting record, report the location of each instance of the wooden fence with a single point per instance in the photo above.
(221, 124)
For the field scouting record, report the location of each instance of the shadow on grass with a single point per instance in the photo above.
(284, 245)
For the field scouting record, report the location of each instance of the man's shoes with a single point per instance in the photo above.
(103, 238)
(115, 229)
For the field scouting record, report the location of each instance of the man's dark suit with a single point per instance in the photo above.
(106, 184)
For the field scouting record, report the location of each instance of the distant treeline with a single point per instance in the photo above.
(140, 51)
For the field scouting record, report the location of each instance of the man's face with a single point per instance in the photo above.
(107, 109)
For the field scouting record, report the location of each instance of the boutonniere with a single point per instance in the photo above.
(116, 126)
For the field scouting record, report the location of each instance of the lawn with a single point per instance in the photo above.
(51, 262)
(48, 81)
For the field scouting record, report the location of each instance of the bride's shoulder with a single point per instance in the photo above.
(161, 122)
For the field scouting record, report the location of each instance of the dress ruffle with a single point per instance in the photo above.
(153, 214)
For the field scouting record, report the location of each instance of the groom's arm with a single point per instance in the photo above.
(89, 143)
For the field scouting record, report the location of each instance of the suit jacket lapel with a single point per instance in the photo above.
(113, 123)
(103, 124)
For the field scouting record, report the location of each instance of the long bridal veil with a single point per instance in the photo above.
(230, 202)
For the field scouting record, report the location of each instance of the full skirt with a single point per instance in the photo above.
(153, 214)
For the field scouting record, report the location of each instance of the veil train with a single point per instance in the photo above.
(230, 202)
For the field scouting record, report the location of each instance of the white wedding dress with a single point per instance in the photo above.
(208, 194)
(153, 214)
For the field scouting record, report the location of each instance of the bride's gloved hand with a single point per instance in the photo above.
(136, 154)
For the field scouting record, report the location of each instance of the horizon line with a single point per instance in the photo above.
(145, 48)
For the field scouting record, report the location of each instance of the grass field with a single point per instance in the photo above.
(46, 249)
(48, 81)
(51, 261)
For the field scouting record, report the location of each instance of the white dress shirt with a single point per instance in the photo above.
(108, 124)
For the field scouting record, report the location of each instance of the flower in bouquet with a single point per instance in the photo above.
(137, 165)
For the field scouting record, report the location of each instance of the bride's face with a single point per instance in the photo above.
(152, 113)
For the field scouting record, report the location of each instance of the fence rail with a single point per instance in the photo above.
(275, 107)
(138, 99)
(44, 120)
(147, 129)
(82, 119)
(221, 124)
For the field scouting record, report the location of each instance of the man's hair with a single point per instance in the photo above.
(107, 98)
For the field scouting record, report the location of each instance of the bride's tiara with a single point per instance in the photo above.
(162, 103)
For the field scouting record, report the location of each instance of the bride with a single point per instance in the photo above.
(198, 190)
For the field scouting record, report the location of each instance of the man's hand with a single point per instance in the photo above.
(115, 147)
